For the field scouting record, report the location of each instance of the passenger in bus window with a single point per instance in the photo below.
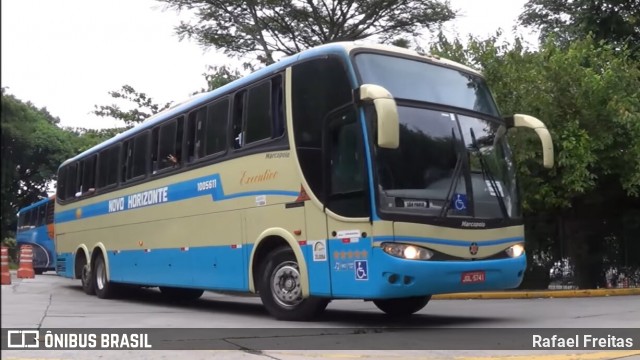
(173, 160)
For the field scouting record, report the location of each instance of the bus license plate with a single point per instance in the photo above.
(472, 277)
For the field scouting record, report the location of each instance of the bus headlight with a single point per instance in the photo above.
(404, 251)
(515, 250)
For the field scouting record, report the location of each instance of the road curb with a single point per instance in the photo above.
(537, 294)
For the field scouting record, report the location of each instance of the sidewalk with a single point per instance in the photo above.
(537, 294)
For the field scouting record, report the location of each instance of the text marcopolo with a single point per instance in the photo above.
(581, 341)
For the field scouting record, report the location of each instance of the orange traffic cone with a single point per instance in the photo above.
(25, 271)
(6, 276)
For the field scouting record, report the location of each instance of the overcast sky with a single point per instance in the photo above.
(66, 55)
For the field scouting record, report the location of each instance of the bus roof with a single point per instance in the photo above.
(37, 203)
(339, 48)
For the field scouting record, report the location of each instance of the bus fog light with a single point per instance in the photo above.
(404, 251)
(515, 250)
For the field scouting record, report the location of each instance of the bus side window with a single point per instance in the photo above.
(42, 214)
(318, 86)
(195, 127)
(87, 176)
(215, 139)
(347, 196)
(167, 152)
(127, 160)
(277, 103)
(71, 177)
(50, 212)
(258, 121)
(238, 120)
(135, 157)
(108, 167)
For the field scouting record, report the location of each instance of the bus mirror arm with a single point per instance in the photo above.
(386, 113)
(520, 120)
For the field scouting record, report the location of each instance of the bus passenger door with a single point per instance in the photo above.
(347, 203)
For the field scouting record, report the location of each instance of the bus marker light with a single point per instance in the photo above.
(236, 246)
(302, 242)
(472, 277)
(297, 232)
(147, 250)
(303, 196)
(184, 248)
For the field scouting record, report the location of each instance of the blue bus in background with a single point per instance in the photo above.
(35, 228)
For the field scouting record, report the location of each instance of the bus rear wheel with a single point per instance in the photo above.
(103, 287)
(173, 293)
(281, 290)
(401, 307)
(88, 283)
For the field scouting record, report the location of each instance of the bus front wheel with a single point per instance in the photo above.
(281, 290)
(104, 288)
(402, 306)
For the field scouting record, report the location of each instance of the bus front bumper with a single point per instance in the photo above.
(391, 277)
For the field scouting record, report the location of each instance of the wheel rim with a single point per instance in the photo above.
(85, 275)
(101, 275)
(285, 284)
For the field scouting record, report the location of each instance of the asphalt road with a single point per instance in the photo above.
(348, 329)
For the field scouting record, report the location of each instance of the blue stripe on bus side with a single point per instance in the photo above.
(209, 186)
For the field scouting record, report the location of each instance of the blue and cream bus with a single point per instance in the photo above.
(343, 172)
(35, 228)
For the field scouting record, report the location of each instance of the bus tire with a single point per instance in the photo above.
(178, 294)
(281, 291)
(103, 287)
(88, 282)
(402, 307)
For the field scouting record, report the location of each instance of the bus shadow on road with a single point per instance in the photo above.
(250, 305)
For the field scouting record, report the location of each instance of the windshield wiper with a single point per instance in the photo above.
(486, 173)
(454, 182)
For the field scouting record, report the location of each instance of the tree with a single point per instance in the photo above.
(219, 76)
(144, 106)
(259, 29)
(614, 21)
(33, 146)
(587, 95)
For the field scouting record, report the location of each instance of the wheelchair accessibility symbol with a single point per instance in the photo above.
(361, 270)
(459, 202)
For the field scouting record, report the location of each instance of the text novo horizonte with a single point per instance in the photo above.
(145, 198)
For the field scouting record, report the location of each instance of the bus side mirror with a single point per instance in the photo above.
(520, 120)
(387, 114)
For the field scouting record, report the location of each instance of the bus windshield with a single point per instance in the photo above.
(453, 159)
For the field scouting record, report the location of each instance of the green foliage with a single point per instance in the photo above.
(143, 106)
(260, 28)
(218, 76)
(587, 95)
(12, 247)
(88, 138)
(612, 21)
(33, 147)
